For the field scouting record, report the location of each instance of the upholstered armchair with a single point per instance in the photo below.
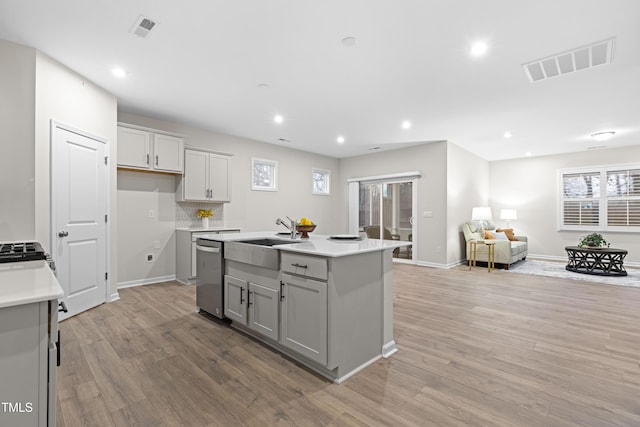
(508, 248)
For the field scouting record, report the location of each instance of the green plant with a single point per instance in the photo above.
(594, 240)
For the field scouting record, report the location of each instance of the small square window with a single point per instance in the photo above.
(321, 180)
(264, 174)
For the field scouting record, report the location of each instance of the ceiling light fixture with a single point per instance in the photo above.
(528, 154)
(602, 136)
(508, 134)
(406, 124)
(119, 72)
(263, 86)
(340, 139)
(278, 118)
(479, 48)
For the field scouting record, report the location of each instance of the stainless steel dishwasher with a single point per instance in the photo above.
(210, 277)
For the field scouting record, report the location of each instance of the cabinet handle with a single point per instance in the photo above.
(241, 293)
(147, 158)
(156, 160)
(249, 298)
(62, 307)
(281, 290)
(299, 265)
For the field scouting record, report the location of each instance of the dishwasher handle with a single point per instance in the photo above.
(208, 249)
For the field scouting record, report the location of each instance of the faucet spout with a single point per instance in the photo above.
(284, 224)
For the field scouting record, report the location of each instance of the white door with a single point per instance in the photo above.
(79, 207)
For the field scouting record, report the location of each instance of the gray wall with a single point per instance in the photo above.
(530, 185)
(467, 186)
(17, 148)
(430, 160)
(250, 210)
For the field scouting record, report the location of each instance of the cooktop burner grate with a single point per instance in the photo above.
(22, 251)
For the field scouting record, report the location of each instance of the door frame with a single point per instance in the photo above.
(354, 201)
(55, 124)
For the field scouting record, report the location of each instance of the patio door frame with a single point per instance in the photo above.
(354, 204)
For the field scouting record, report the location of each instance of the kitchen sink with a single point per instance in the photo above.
(258, 252)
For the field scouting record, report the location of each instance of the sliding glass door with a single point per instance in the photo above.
(386, 210)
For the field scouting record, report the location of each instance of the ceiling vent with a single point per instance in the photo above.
(582, 58)
(143, 26)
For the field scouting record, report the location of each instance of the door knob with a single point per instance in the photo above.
(63, 233)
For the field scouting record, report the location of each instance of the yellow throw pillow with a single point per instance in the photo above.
(489, 235)
(509, 233)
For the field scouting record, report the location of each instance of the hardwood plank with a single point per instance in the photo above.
(475, 348)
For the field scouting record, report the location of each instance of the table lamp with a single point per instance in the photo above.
(508, 214)
(482, 214)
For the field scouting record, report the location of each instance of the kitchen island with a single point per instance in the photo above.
(326, 303)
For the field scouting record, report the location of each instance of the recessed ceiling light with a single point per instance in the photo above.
(348, 41)
(119, 72)
(278, 118)
(263, 86)
(340, 139)
(406, 124)
(528, 154)
(508, 134)
(602, 136)
(479, 48)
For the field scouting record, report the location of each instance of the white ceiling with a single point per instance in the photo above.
(203, 62)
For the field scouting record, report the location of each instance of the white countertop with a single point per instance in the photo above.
(317, 244)
(27, 282)
(204, 230)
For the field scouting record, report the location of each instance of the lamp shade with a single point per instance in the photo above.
(508, 214)
(481, 213)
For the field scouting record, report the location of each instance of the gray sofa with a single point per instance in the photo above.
(506, 251)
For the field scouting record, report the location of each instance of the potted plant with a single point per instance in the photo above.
(593, 240)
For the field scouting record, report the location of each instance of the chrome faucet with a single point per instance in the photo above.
(291, 228)
(279, 221)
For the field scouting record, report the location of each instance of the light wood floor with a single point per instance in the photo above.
(475, 349)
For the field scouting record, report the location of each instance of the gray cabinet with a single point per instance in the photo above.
(252, 305)
(28, 364)
(146, 149)
(304, 317)
(206, 177)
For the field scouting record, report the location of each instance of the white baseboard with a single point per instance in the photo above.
(149, 281)
(439, 265)
(114, 297)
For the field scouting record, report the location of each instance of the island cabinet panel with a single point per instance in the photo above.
(235, 299)
(263, 307)
(304, 317)
(304, 265)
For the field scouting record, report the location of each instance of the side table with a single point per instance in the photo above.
(491, 253)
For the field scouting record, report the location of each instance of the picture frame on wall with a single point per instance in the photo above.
(321, 181)
(264, 174)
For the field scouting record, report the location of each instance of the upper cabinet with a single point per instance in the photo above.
(144, 149)
(206, 177)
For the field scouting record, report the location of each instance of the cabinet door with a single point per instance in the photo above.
(304, 317)
(235, 299)
(168, 153)
(196, 175)
(263, 310)
(219, 172)
(134, 148)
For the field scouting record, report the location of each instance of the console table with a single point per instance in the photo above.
(599, 261)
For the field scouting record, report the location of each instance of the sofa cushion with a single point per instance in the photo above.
(518, 247)
(509, 232)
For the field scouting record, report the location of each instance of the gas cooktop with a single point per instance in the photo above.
(22, 251)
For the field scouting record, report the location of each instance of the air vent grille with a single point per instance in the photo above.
(143, 26)
(599, 53)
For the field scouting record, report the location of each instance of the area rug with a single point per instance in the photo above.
(557, 269)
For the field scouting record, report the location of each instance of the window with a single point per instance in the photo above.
(600, 198)
(264, 174)
(321, 181)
